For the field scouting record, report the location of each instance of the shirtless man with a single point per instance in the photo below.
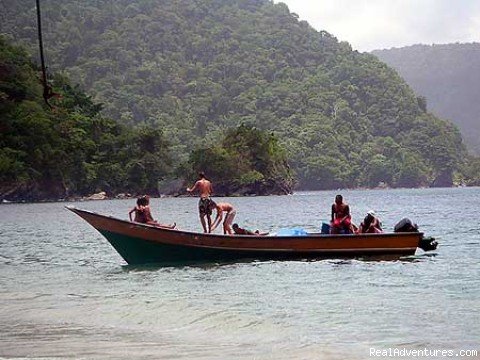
(205, 189)
(341, 219)
(230, 213)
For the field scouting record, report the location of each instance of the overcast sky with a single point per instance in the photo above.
(381, 24)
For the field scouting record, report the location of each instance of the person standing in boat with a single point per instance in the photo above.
(370, 225)
(341, 218)
(230, 213)
(205, 190)
(144, 215)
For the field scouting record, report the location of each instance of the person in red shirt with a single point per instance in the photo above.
(341, 218)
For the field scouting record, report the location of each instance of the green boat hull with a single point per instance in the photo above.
(137, 251)
(140, 244)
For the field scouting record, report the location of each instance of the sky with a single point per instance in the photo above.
(382, 24)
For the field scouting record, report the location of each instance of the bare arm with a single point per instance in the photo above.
(130, 213)
(192, 189)
(217, 220)
(347, 212)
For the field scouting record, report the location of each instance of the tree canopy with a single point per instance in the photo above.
(246, 161)
(197, 68)
(71, 150)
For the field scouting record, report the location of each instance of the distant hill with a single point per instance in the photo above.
(195, 68)
(449, 77)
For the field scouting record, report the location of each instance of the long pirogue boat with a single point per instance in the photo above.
(144, 244)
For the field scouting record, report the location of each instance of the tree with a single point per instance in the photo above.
(247, 161)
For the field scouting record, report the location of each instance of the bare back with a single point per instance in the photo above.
(224, 207)
(204, 187)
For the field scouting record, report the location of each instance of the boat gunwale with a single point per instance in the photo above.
(184, 247)
(207, 235)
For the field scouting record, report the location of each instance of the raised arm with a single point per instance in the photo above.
(192, 189)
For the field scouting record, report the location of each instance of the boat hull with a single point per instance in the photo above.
(145, 244)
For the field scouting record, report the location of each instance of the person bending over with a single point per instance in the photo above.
(230, 213)
(370, 225)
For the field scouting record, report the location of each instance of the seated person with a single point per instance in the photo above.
(240, 231)
(143, 214)
(370, 225)
(341, 218)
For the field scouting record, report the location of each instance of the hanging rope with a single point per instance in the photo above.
(47, 89)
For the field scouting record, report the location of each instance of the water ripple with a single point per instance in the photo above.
(64, 292)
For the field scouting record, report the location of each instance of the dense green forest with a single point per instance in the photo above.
(72, 150)
(194, 69)
(246, 161)
(448, 76)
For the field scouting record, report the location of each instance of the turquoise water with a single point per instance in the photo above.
(65, 292)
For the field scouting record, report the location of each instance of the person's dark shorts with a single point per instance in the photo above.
(204, 206)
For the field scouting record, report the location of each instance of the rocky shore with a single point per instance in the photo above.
(36, 192)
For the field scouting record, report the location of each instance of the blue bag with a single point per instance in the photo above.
(292, 232)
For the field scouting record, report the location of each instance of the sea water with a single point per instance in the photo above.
(66, 293)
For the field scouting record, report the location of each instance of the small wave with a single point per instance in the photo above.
(206, 316)
(78, 296)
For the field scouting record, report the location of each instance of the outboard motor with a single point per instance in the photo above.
(428, 243)
(407, 225)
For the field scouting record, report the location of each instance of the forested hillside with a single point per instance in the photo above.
(71, 150)
(449, 77)
(194, 68)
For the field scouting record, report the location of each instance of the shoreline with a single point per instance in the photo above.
(123, 196)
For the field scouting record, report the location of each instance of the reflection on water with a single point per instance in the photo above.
(337, 260)
(64, 292)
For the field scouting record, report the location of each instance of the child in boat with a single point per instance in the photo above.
(371, 224)
(240, 231)
(144, 215)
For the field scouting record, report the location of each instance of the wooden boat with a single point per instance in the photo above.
(144, 244)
